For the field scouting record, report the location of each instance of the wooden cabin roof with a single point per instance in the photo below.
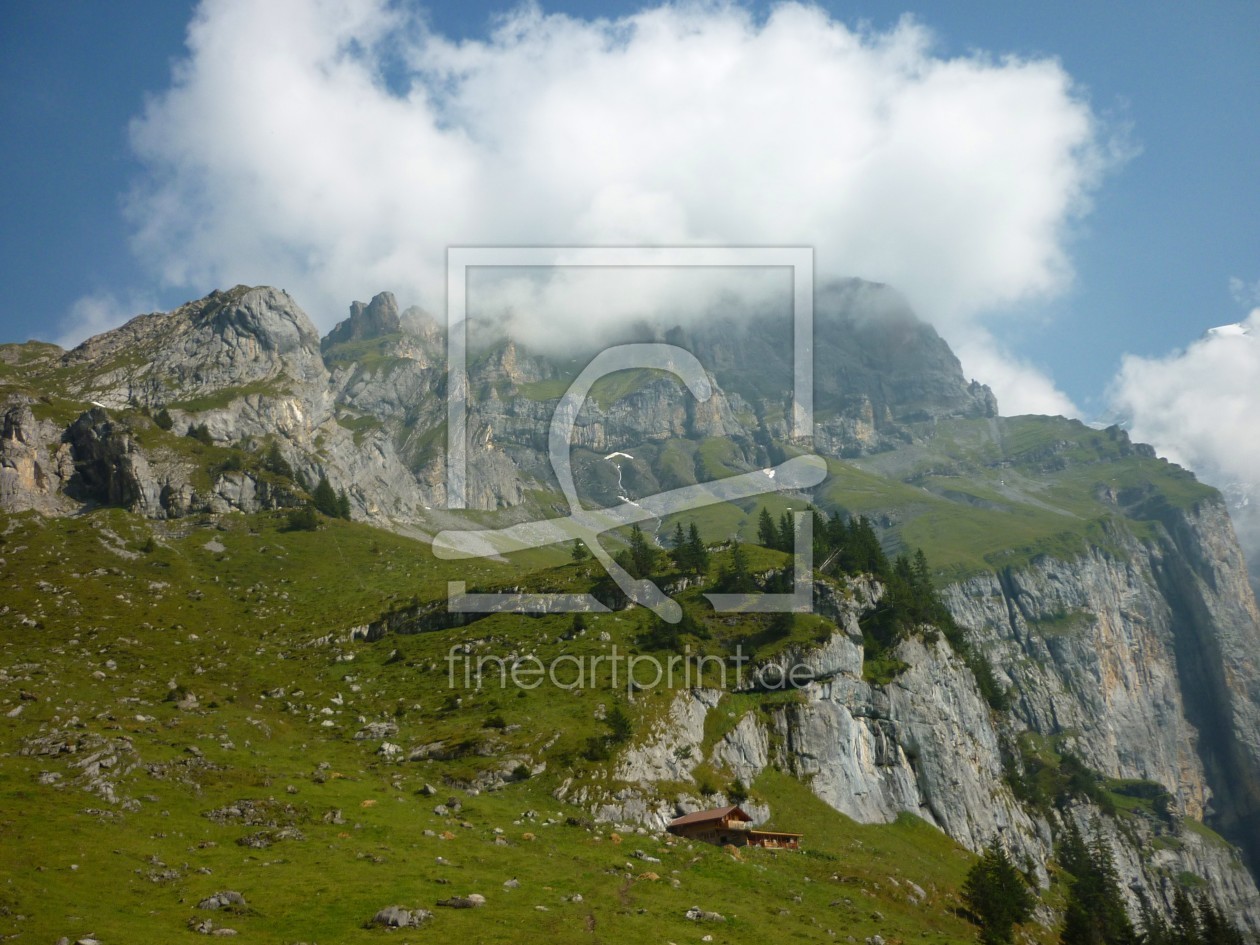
(716, 813)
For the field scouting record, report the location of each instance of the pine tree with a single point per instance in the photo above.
(735, 579)
(325, 499)
(275, 462)
(922, 573)
(1095, 911)
(1155, 930)
(579, 552)
(697, 553)
(1215, 929)
(642, 555)
(787, 533)
(343, 505)
(679, 553)
(767, 534)
(201, 433)
(998, 896)
(1185, 924)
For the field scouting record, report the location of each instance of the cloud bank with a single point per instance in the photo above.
(1201, 408)
(338, 148)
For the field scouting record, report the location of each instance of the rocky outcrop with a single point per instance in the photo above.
(34, 465)
(242, 338)
(671, 750)
(379, 317)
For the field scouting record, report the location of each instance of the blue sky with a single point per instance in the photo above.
(1169, 227)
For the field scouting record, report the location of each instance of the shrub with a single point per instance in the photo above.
(201, 433)
(620, 725)
(302, 519)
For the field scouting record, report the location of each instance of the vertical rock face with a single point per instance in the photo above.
(1146, 658)
(34, 466)
(926, 744)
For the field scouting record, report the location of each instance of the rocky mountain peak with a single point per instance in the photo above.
(268, 316)
(228, 339)
(378, 317)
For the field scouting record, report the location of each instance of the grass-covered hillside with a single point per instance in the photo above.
(182, 702)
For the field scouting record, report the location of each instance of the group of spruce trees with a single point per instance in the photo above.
(998, 898)
(324, 501)
(842, 546)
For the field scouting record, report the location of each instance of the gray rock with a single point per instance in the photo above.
(400, 917)
(696, 914)
(226, 899)
(472, 901)
(378, 317)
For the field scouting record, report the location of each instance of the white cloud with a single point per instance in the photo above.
(1020, 387)
(338, 148)
(1244, 293)
(1201, 408)
(93, 314)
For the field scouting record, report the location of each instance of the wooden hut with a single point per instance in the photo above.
(730, 825)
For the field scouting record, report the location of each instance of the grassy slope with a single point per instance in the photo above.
(986, 494)
(231, 625)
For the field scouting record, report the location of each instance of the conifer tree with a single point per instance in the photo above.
(1185, 924)
(642, 555)
(998, 896)
(679, 553)
(1214, 928)
(767, 534)
(1095, 911)
(697, 553)
(787, 533)
(325, 499)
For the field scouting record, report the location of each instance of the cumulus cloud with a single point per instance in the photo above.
(1020, 387)
(1201, 408)
(338, 148)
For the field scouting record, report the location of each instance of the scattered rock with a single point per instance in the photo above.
(374, 730)
(696, 914)
(226, 899)
(471, 901)
(399, 917)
